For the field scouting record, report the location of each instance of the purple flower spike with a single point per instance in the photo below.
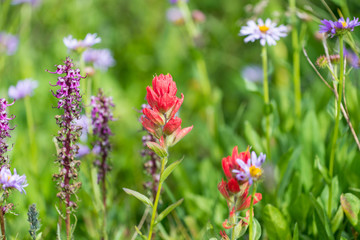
(250, 171)
(4, 130)
(22, 89)
(101, 115)
(339, 27)
(70, 102)
(101, 58)
(8, 43)
(8, 180)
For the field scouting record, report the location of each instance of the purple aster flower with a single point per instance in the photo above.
(252, 73)
(74, 44)
(8, 43)
(8, 180)
(352, 58)
(250, 171)
(267, 32)
(32, 2)
(83, 122)
(83, 150)
(176, 1)
(175, 15)
(22, 89)
(101, 58)
(4, 130)
(339, 27)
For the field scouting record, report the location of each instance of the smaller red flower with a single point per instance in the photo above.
(229, 163)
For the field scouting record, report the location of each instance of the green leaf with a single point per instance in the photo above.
(296, 232)
(350, 204)
(275, 223)
(164, 213)
(158, 150)
(322, 221)
(169, 170)
(323, 171)
(139, 196)
(257, 229)
(337, 219)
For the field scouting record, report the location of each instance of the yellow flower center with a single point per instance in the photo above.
(255, 172)
(9, 178)
(263, 28)
(343, 24)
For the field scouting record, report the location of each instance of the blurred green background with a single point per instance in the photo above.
(145, 43)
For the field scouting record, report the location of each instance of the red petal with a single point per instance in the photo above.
(172, 125)
(223, 190)
(233, 186)
(154, 116)
(177, 106)
(166, 102)
(151, 97)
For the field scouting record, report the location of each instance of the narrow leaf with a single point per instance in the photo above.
(350, 204)
(164, 213)
(275, 223)
(296, 232)
(140, 233)
(322, 221)
(323, 171)
(139, 196)
(337, 219)
(169, 170)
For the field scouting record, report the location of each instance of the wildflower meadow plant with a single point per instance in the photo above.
(70, 102)
(8, 180)
(160, 121)
(102, 59)
(81, 45)
(341, 29)
(23, 88)
(242, 170)
(8, 43)
(268, 33)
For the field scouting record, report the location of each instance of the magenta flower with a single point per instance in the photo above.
(8, 180)
(22, 89)
(8, 43)
(339, 27)
(4, 129)
(75, 44)
(251, 170)
(101, 58)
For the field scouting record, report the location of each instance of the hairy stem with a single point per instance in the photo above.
(337, 120)
(163, 160)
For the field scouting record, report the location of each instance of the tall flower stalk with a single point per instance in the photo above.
(8, 180)
(266, 98)
(337, 28)
(70, 102)
(101, 115)
(160, 121)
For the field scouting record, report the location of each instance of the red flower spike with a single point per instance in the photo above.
(154, 116)
(164, 84)
(229, 163)
(166, 102)
(172, 125)
(151, 97)
(233, 185)
(223, 189)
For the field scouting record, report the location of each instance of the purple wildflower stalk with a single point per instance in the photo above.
(70, 101)
(101, 115)
(4, 130)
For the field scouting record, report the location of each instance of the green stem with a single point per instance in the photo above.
(266, 99)
(251, 232)
(31, 131)
(296, 60)
(337, 120)
(233, 233)
(163, 161)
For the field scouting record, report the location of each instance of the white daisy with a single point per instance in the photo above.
(266, 31)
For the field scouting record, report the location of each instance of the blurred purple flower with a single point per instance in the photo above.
(8, 180)
(83, 150)
(22, 89)
(352, 58)
(74, 44)
(83, 122)
(4, 129)
(176, 1)
(32, 2)
(338, 27)
(175, 16)
(101, 58)
(252, 73)
(8, 43)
